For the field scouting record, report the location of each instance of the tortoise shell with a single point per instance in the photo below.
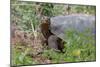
(59, 25)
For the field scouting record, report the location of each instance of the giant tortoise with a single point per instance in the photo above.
(55, 28)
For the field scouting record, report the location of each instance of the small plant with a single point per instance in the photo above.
(20, 56)
(80, 46)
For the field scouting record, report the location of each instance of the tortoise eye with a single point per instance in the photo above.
(25, 36)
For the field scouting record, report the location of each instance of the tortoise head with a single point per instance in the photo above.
(45, 23)
(46, 20)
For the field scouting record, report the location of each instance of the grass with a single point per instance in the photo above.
(79, 47)
(20, 55)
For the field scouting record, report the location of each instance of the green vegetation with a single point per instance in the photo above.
(20, 58)
(78, 47)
